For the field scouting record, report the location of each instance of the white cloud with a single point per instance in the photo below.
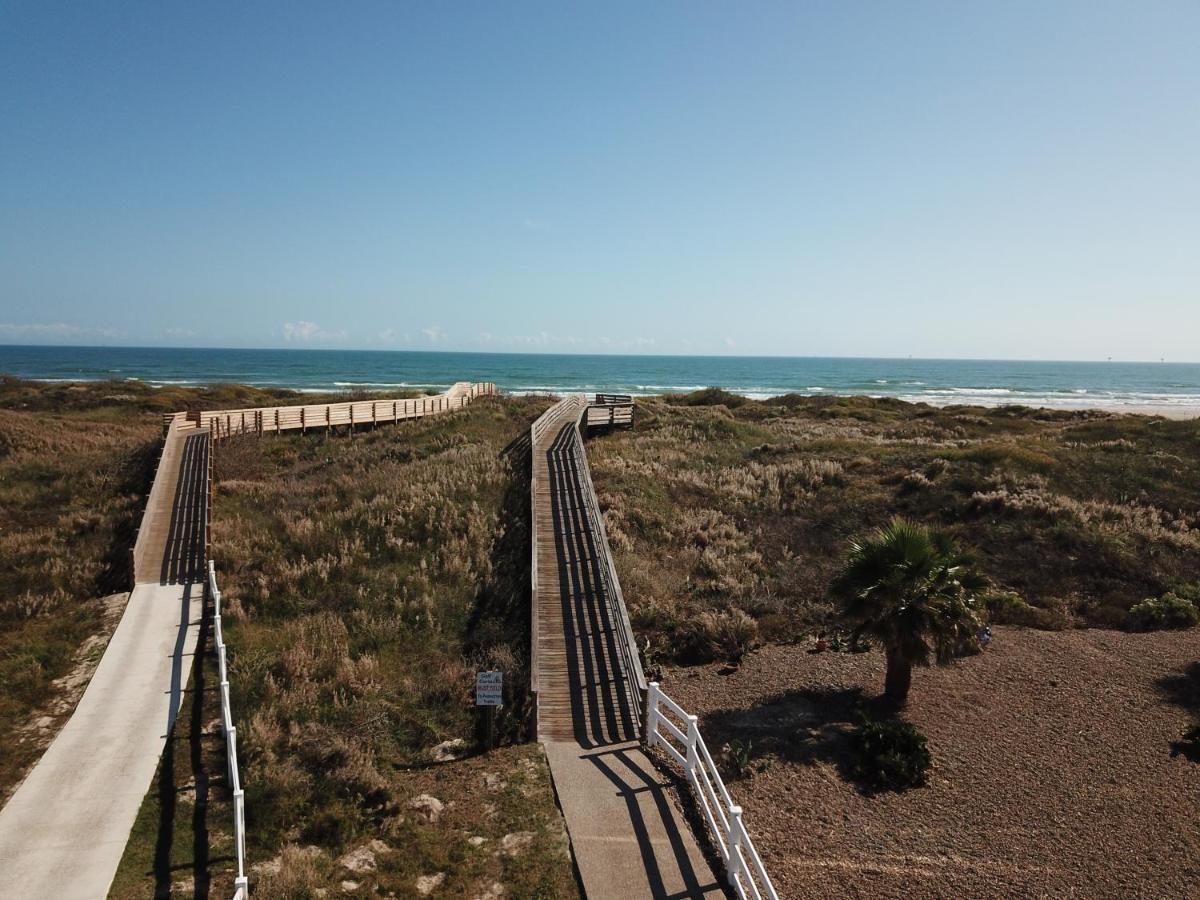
(303, 332)
(55, 330)
(388, 336)
(433, 334)
(730, 342)
(178, 332)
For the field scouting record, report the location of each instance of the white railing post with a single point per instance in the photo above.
(693, 743)
(239, 822)
(733, 841)
(230, 751)
(652, 714)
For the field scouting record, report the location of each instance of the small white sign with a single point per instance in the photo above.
(489, 689)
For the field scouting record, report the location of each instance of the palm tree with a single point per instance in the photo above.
(913, 590)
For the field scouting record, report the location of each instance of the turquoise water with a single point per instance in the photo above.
(986, 382)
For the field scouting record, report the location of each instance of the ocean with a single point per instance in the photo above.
(935, 381)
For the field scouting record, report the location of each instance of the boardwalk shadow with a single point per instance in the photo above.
(803, 726)
(635, 785)
(183, 554)
(136, 473)
(499, 623)
(604, 708)
(1183, 690)
(191, 730)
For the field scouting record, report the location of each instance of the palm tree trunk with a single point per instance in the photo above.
(898, 679)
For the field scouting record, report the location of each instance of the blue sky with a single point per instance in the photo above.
(942, 180)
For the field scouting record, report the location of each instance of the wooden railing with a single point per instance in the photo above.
(626, 643)
(671, 728)
(576, 411)
(614, 399)
(610, 411)
(227, 423)
(166, 458)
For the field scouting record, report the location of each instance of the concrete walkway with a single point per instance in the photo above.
(63, 832)
(628, 837)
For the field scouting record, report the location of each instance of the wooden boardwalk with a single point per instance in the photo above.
(628, 837)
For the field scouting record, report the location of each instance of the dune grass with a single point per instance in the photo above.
(71, 490)
(729, 516)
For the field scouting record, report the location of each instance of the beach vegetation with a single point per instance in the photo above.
(914, 591)
(889, 755)
(1169, 611)
(1079, 513)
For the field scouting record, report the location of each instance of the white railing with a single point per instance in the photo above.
(241, 883)
(682, 742)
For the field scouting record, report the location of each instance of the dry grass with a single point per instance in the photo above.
(71, 489)
(743, 507)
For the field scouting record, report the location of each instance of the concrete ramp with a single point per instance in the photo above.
(63, 832)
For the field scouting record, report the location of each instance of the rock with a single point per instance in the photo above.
(494, 782)
(493, 891)
(476, 841)
(269, 867)
(349, 886)
(427, 884)
(427, 807)
(449, 751)
(513, 844)
(362, 859)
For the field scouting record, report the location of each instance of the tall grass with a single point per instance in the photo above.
(719, 507)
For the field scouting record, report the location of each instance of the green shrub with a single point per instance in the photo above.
(1167, 612)
(890, 756)
(712, 396)
(1010, 608)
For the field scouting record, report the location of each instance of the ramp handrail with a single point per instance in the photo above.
(241, 882)
(744, 869)
(626, 643)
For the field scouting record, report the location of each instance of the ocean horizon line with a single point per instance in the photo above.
(614, 355)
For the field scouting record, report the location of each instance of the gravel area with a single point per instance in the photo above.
(1053, 769)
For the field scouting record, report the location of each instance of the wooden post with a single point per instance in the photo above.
(374, 417)
(277, 418)
(303, 427)
(351, 420)
(327, 419)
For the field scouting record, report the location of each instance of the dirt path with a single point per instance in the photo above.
(1054, 772)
